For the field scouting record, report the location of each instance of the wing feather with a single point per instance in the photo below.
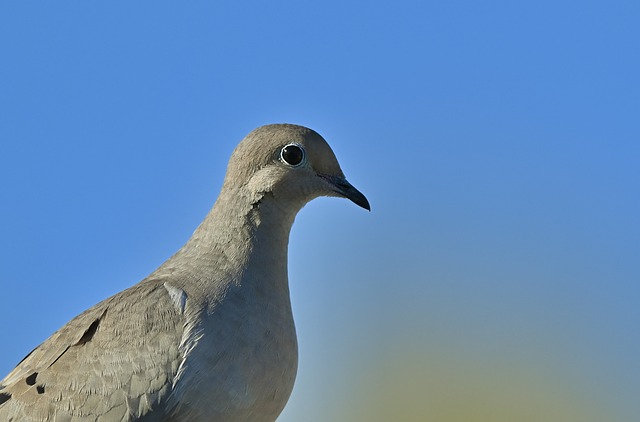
(114, 362)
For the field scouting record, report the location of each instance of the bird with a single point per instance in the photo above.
(209, 335)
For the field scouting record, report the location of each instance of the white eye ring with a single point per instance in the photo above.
(293, 155)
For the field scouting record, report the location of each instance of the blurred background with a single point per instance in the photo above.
(497, 275)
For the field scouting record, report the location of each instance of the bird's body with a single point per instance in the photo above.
(208, 336)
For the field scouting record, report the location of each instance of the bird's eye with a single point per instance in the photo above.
(292, 154)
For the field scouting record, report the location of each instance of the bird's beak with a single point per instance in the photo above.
(345, 189)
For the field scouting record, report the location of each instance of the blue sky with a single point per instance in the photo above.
(498, 144)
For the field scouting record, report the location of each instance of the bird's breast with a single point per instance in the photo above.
(244, 365)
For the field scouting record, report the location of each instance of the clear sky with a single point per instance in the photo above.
(497, 276)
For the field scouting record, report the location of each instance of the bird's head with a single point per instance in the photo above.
(292, 163)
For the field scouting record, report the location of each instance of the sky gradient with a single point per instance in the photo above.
(497, 275)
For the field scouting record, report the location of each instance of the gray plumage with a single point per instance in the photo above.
(208, 336)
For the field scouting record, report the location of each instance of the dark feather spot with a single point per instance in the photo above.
(65, 351)
(88, 334)
(40, 389)
(4, 397)
(31, 379)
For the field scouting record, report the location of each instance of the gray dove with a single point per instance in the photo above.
(209, 335)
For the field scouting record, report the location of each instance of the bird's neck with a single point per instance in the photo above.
(242, 241)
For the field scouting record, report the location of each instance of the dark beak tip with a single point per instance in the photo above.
(355, 196)
(345, 189)
(364, 203)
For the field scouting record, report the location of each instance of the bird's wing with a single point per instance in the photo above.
(114, 362)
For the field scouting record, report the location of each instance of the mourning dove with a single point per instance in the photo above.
(209, 335)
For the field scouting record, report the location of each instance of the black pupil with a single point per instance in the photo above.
(292, 154)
